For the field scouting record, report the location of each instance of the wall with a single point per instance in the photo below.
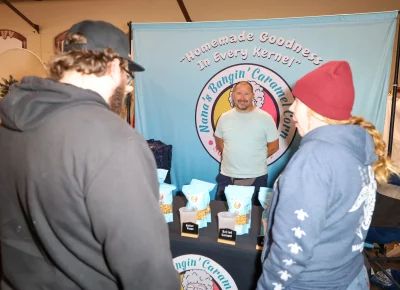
(54, 17)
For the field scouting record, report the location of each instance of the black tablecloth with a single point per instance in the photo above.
(242, 261)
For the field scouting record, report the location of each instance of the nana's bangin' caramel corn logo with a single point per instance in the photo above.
(202, 273)
(271, 94)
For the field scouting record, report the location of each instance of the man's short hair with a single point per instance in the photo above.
(242, 83)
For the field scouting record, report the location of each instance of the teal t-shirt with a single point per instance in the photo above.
(245, 138)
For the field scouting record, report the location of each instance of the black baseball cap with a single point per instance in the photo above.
(101, 35)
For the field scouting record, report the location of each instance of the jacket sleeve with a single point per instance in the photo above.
(122, 202)
(303, 195)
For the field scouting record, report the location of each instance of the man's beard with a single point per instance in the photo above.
(243, 106)
(116, 101)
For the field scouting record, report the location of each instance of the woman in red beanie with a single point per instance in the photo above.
(324, 199)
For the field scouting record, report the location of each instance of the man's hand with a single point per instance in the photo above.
(220, 143)
(272, 147)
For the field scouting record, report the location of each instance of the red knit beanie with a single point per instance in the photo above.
(328, 90)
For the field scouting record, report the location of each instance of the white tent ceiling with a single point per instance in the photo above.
(217, 10)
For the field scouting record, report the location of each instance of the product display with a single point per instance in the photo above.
(198, 198)
(166, 195)
(239, 202)
(265, 197)
(166, 198)
(239, 258)
(209, 186)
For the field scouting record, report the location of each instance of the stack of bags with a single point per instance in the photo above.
(197, 194)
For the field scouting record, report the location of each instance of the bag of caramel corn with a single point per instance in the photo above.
(166, 198)
(265, 197)
(209, 186)
(166, 195)
(239, 202)
(198, 198)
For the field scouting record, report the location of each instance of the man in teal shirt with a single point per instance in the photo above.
(246, 136)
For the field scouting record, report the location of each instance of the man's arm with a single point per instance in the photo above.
(272, 147)
(122, 201)
(218, 135)
(272, 136)
(220, 143)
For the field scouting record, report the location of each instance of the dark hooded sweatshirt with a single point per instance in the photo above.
(78, 195)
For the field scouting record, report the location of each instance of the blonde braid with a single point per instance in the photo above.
(383, 167)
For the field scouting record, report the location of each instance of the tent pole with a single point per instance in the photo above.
(184, 10)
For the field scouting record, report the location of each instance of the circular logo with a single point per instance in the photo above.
(237, 205)
(200, 272)
(193, 199)
(271, 94)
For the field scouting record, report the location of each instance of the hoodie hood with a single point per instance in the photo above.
(353, 138)
(32, 100)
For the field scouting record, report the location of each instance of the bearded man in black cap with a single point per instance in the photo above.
(78, 186)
